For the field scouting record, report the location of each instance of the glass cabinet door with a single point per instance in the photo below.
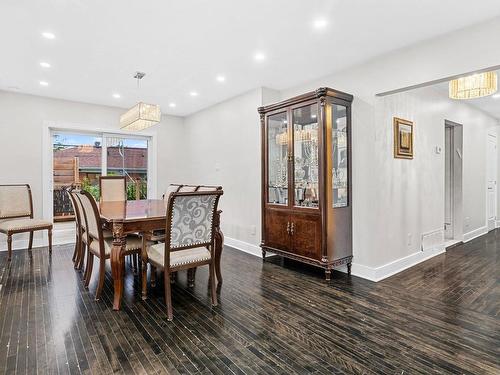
(340, 178)
(277, 157)
(305, 153)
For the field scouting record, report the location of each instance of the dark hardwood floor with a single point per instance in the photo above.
(440, 317)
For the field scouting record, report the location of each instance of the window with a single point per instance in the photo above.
(80, 158)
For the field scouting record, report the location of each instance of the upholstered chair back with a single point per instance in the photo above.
(171, 189)
(77, 207)
(113, 188)
(187, 188)
(75, 195)
(91, 214)
(15, 201)
(190, 219)
(209, 188)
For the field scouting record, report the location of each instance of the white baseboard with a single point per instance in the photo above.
(394, 267)
(475, 233)
(243, 246)
(497, 224)
(365, 272)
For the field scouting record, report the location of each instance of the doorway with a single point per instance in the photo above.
(492, 181)
(453, 211)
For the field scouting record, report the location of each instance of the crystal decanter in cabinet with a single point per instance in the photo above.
(306, 179)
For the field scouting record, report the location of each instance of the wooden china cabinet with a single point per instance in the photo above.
(306, 179)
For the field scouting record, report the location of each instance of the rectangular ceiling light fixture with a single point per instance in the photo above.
(140, 117)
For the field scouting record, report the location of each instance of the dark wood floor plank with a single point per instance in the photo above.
(441, 316)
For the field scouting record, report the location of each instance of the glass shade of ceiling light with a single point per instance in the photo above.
(140, 117)
(474, 86)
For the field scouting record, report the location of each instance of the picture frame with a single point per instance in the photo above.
(403, 138)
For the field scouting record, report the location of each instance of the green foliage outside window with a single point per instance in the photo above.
(92, 189)
(131, 189)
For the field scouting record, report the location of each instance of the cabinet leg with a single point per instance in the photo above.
(328, 274)
(349, 268)
(263, 255)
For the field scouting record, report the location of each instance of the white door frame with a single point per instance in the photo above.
(47, 157)
(491, 183)
(457, 178)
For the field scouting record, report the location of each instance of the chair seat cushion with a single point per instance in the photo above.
(156, 253)
(133, 243)
(24, 224)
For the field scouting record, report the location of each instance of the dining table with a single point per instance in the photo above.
(141, 217)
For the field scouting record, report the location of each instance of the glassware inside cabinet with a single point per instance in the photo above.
(305, 152)
(340, 178)
(277, 141)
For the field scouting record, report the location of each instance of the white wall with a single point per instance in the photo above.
(410, 194)
(21, 128)
(223, 148)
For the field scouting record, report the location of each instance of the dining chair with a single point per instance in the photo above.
(189, 240)
(16, 215)
(112, 188)
(79, 252)
(99, 245)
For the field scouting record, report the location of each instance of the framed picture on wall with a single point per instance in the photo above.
(403, 138)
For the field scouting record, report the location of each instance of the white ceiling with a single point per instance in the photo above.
(184, 45)
(489, 104)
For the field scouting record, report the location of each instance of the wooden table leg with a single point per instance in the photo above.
(117, 263)
(219, 244)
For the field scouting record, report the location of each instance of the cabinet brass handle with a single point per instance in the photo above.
(288, 227)
(292, 228)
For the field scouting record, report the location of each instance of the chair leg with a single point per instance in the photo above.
(134, 263)
(102, 270)
(50, 241)
(144, 280)
(153, 276)
(168, 295)
(81, 255)
(213, 291)
(9, 246)
(30, 243)
(76, 253)
(88, 269)
(191, 273)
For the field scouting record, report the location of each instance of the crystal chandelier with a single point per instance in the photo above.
(142, 115)
(474, 86)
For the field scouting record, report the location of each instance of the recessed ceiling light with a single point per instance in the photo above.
(48, 35)
(320, 23)
(172, 105)
(496, 96)
(44, 64)
(220, 78)
(116, 96)
(259, 56)
(193, 93)
(44, 83)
